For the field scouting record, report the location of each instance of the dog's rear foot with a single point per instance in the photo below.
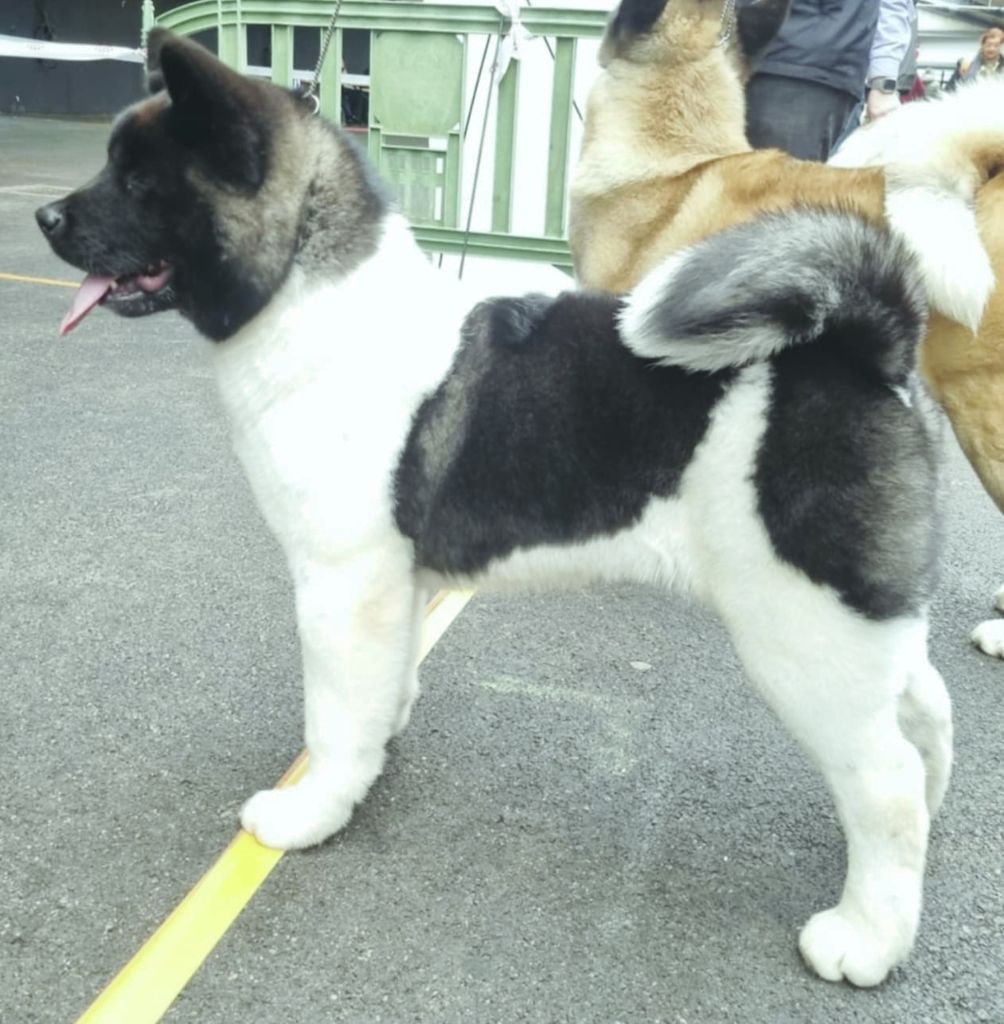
(840, 944)
(295, 817)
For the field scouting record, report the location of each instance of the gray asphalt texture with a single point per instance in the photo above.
(562, 834)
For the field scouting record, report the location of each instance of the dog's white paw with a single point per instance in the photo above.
(295, 817)
(989, 636)
(839, 944)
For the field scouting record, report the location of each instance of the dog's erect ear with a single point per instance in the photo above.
(634, 18)
(154, 77)
(757, 23)
(154, 82)
(190, 73)
(214, 110)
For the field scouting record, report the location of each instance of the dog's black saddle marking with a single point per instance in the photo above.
(546, 430)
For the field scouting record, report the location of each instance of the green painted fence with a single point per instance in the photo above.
(417, 102)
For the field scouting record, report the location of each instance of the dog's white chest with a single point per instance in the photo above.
(321, 390)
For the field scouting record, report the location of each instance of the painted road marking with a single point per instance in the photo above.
(22, 279)
(31, 193)
(35, 188)
(144, 989)
(39, 186)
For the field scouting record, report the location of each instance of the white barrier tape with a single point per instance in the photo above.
(515, 41)
(40, 49)
(260, 71)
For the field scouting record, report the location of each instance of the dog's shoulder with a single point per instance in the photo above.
(508, 320)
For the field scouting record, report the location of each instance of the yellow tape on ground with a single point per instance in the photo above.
(39, 280)
(144, 989)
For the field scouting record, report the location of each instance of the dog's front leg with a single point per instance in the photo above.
(356, 622)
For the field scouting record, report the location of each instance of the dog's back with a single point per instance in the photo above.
(590, 411)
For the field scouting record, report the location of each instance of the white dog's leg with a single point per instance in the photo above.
(989, 636)
(925, 716)
(877, 780)
(355, 622)
(835, 680)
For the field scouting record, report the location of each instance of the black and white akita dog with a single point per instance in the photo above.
(747, 425)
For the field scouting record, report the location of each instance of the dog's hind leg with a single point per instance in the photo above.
(925, 716)
(356, 621)
(835, 679)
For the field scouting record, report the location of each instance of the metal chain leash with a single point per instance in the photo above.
(728, 21)
(311, 93)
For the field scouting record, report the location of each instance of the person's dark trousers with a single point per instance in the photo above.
(803, 118)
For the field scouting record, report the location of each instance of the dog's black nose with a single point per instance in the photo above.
(51, 219)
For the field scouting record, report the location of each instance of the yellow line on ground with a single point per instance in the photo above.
(144, 989)
(39, 280)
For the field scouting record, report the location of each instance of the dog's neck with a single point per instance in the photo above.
(390, 309)
(343, 207)
(669, 125)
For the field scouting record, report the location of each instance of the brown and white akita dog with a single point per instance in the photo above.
(665, 163)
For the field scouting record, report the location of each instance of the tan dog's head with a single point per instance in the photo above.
(675, 32)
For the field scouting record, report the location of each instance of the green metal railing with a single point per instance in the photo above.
(425, 94)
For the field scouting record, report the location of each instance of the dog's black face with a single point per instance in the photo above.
(123, 227)
(170, 222)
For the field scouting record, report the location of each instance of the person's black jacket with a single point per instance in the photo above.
(825, 41)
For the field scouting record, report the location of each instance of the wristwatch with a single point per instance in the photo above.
(886, 85)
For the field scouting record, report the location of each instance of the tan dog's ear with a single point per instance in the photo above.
(634, 18)
(757, 23)
(632, 22)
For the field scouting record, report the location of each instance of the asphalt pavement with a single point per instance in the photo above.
(591, 819)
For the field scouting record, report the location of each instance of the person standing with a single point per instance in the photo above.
(988, 61)
(810, 82)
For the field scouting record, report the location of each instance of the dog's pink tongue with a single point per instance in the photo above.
(90, 293)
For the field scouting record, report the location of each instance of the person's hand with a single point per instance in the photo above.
(880, 103)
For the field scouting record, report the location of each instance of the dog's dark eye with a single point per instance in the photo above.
(136, 183)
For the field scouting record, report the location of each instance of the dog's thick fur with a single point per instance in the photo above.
(735, 427)
(964, 369)
(665, 163)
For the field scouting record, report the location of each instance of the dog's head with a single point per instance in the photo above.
(674, 32)
(175, 219)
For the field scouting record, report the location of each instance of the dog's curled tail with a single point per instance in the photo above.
(748, 293)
